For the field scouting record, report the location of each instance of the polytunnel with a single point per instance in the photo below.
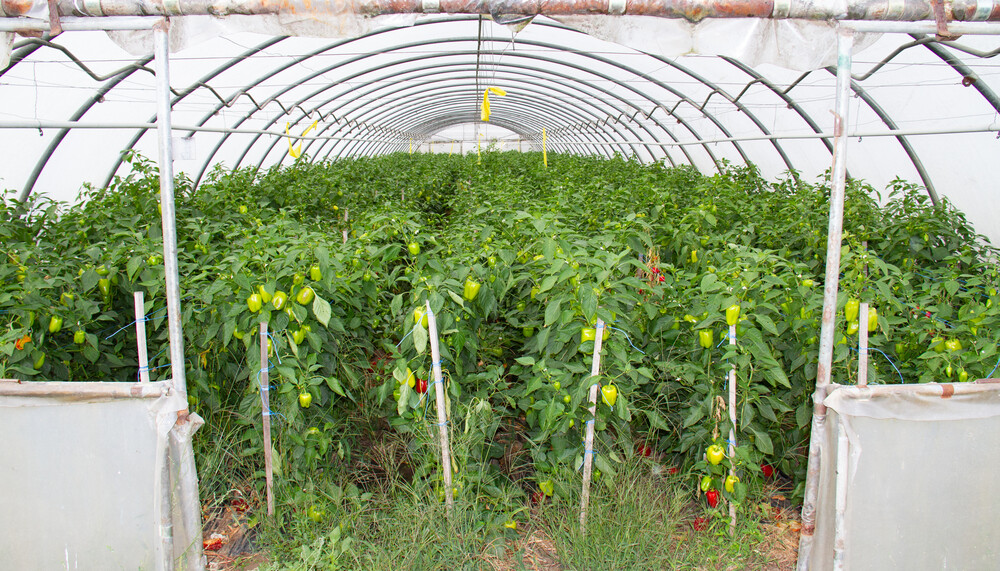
(804, 91)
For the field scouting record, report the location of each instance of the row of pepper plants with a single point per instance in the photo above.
(517, 261)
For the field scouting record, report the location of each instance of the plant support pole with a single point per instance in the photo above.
(442, 412)
(265, 411)
(140, 336)
(863, 345)
(588, 446)
(166, 165)
(732, 428)
(845, 41)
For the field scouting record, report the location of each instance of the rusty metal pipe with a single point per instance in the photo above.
(845, 44)
(691, 10)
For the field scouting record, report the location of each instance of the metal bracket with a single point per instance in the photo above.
(55, 27)
(941, 19)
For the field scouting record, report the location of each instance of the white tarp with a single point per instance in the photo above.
(920, 480)
(82, 480)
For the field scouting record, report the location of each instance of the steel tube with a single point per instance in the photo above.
(161, 46)
(83, 391)
(942, 390)
(958, 28)
(80, 24)
(845, 44)
(32, 125)
(691, 10)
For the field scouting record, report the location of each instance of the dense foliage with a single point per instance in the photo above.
(657, 253)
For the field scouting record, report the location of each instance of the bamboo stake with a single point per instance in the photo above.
(266, 414)
(442, 412)
(863, 345)
(140, 336)
(732, 429)
(588, 447)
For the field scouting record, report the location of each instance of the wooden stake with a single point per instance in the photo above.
(588, 446)
(442, 412)
(140, 336)
(863, 345)
(265, 400)
(732, 428)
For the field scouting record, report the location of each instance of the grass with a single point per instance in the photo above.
(640, 522)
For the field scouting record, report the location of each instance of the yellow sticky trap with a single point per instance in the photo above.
(545, 155)
(296, 152)
(485, 111)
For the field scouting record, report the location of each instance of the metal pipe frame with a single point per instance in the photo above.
(580, 68)
(521, 55)
(383, 103)
(845, 44)
(470, 116)
(448, 110)
(161, 43)
(576, 79)
(396, 103)
(691, 10)
(652, 149)
(84, 391)
(183, 94)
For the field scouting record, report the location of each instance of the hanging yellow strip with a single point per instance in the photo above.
(295, 152)
(484, 114)
(545, 155)
(411, 146)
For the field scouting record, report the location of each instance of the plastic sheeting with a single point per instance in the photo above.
(798, 45)
(920, 479)
(95, 481)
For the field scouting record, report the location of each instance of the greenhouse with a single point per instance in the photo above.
(441, 284)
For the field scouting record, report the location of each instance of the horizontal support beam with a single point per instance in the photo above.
(71, 24)
(30, 124)
(691, 10)
(994, 128)
(553, 139)
(83, 391)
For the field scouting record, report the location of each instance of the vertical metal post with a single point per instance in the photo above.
(845, 44)
(588, 443)
(161, 45)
